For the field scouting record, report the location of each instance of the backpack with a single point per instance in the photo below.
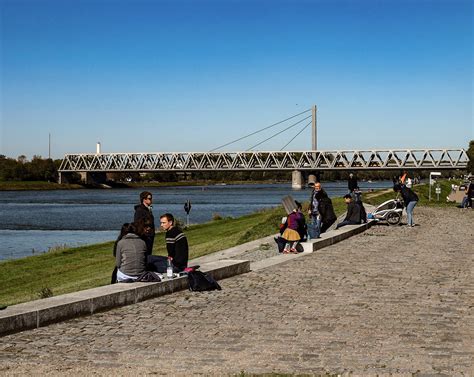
(199, 281)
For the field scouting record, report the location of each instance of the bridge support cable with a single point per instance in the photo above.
(278, 133)
(258, 131)
(294, 137)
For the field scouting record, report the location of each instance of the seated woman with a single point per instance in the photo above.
(131, 255)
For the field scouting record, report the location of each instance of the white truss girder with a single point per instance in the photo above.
(297, 160)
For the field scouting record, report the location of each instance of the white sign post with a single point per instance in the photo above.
(432, 180)
(438, 191)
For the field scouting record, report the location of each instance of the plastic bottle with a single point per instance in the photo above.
(169, 269)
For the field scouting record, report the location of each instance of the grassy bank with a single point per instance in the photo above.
(73, 269)
(35, 185)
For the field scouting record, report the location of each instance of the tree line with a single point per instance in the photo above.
(20, 169)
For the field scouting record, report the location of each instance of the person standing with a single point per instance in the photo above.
(144, 219)
(314, 223)
(321, 212)
(352, 184)
(410, 199)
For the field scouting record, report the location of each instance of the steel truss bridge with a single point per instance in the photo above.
(405, 159)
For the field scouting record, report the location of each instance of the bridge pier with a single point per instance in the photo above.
(312, 179)
(297, 181)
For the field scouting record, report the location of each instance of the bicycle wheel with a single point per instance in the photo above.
(393, 218)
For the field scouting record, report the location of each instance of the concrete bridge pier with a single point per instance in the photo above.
(87, 178)
(312, 179)
(297, 181)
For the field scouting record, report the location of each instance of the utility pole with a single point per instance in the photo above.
(314, 144)
(49, 145)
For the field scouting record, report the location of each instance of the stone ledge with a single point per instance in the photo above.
(329, 238)
(334, 236)
(55, 309)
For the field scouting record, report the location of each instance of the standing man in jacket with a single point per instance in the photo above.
(352, 184)
(145, 220)
(321, 211)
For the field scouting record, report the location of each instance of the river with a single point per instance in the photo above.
(32, 222)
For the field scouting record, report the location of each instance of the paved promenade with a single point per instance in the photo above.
(390, 301)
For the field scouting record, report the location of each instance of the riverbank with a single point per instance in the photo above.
(36, 185)
(72, 269)
(67, 270)
(42, 185)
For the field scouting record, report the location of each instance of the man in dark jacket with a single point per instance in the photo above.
(410, 199)
(321, 209)
(352, 183)
(144, 220)
(353, 216)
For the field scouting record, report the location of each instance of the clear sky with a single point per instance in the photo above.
(190, 75)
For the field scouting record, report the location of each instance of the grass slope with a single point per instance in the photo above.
(74, 269)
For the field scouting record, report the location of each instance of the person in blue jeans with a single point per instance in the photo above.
(321, 212)
(410, 199)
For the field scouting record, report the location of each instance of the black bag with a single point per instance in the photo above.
(199, 281)
(149, 277)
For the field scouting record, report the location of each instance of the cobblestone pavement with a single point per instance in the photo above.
(390, 301)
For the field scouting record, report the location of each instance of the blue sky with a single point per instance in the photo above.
(150, 76)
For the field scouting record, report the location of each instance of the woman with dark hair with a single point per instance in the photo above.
(130, 255)
(144, 217)
(123, 232)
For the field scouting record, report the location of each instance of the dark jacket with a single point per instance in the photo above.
(353, 213)
(470, 190)
(352, 183)
(145, 225)
(326, 210)
(143, 214)
(408, 195)
(177, 246)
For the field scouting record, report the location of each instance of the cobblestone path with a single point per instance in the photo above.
(390, 301)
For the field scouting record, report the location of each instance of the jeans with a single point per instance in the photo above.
(314, 227)
(410, 207)
(346, 222)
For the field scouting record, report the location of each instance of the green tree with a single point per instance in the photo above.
(470, 154)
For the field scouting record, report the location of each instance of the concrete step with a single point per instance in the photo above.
(55, 309)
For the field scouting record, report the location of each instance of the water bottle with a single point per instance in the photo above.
(169, 269)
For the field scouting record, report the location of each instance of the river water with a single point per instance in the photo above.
(31, 222)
